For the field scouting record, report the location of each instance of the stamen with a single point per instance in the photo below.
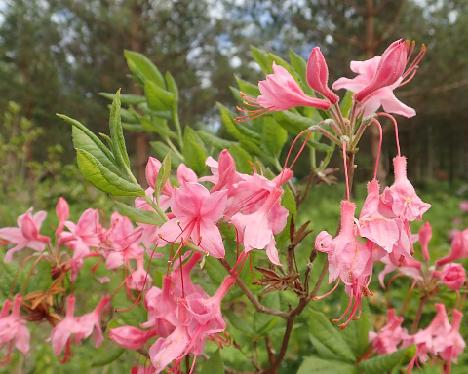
(377, 159)
(326, 294)
(395, 125)
(346, 171)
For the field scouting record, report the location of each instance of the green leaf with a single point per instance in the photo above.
(86, 139)
(129, 99)
(322, 329)
(158, 99)
(356, 333)
(194, 151)
(242, 158)
(385, 363)
(299, 65)
(214, 365)
(103, 178)
(161, 149)
(138, 215)
(214, 140)
(163, 175)
(345, 103)
(143, 69)
(288, 201)
(316, 365)
(157, 125)
(262, 59)
(247, 87)
(116, 133)
(172, 85)
(231, 127)
(110, 356)
(274, 137)
(129, 116)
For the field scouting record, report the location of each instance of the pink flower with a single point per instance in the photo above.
(374, 225)
(424, 236)
(257, 229)
(139, 279)
(26, 235)
(459, 248)
(151, 172)
(182, 314)
(121, 242)
(279, 91)
(13, 331)
(317, 75)
(224, 172)
(452, 275)
(379, 76)
(348, 258)
(388, 338)
(464, 206)
(131, 337)
(406, 265)
(81, 237)
(196, 212)
(454, 345)
(401, 197)
(63, 212)
(77, 327)
(389, 70)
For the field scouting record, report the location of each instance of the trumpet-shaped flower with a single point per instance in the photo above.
(401, 197)
(278, 92)
(77, 327)
(458, 249)
(389, 337)
(13, 330)
(196, 212)
(257, 229)
(26, 235)
(424, 236)
(379, 76)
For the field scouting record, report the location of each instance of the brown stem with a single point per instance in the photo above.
(259, 307)
(422, 303)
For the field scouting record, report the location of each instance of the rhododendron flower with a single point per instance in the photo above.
(77, 327)
(453, 343)
(424, 236)
(81, 237)
(224, 172)
(121, 242)
(374, 225)
(13, 330)
(407, 266)
(63, 213)
(439, 338)
(387, 339)
(26, 235)
(401, 197)
(196, 212)
(459, 248)
(452, 275)
(348, 258)
(317, 75)
(131, 337)
(182, 314)
(379, 76)
(249, 194)
(279, 91)
(139, 279)
(153, 166)
(464, 206)
(257, 229)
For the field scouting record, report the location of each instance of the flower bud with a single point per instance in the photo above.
(453, 275)
(317, 75)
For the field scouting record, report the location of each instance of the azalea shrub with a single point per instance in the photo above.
(212, 264)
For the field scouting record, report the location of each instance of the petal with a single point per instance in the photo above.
(173, 231)
(211, 240)
(391, 104)
(213, 207)
(272, 252)
(166, 350)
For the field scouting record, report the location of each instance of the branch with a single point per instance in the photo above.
(258, 306)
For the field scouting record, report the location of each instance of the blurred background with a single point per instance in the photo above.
(59, 55)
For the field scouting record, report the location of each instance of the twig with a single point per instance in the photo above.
(422, 303)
